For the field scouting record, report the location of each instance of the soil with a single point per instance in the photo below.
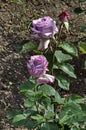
(14, 20)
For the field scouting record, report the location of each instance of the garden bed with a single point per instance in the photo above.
(14, 20)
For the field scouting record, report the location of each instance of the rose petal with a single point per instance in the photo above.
(36, 31)
(34, 37)
(46, 78)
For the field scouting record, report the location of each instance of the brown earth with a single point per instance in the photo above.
(14, 20)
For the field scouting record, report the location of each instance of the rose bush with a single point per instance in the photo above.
(44, 29)
(44, 108)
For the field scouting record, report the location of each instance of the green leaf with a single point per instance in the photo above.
(49, 115)
(83, 106)
(61, 57)
(30, 93)
(38, 95)
(26, 86)
(63, 82)
(58, 99)
(19, 117)
(55, 67)
(29, 102)
(45, 102)
(81, 0)
(82, 47)
(83, 27)
(27, 45)
(34, 95)
(29, 112)
(20, 123)
(71, 113)
(74, 98)
(78, 10)
(47, 90)
(68, 69)
(30, 124)
(70, 48)
(49, 57)
(56, 64)
(49, 126)
(11, 114)
(38, 118)
(66, 24)
(74, 128)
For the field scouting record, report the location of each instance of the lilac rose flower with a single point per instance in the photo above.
(44, 29)
(37, 65)
(46, 78)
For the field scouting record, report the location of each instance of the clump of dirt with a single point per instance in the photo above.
(14, 20)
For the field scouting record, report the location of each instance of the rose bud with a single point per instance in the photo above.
(63, 16)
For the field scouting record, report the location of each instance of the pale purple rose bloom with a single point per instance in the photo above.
(46, 78)
(44, 29)
(37, 65)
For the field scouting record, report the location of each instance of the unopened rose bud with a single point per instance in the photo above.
(63, 16)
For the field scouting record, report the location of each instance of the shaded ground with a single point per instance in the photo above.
(14, 19)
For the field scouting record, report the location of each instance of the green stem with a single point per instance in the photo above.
(54, 53)
(36, 103)
(35, 88)
(57, 41)
(60, 30)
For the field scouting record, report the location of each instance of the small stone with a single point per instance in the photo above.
(10, 83)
